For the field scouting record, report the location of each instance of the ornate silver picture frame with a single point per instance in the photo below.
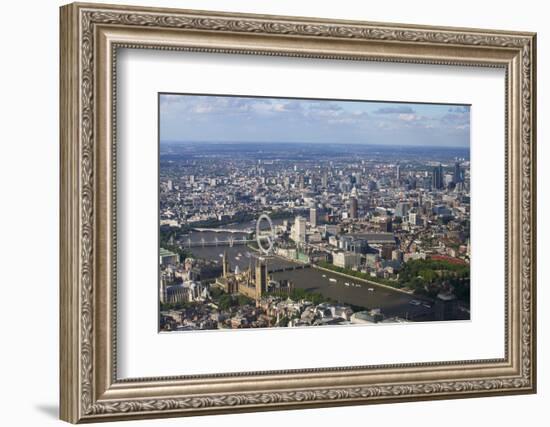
(91, 36)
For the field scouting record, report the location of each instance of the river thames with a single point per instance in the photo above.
(347, 290)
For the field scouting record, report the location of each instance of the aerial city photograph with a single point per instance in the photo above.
(291, 212)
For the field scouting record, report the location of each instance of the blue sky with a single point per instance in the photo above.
(246, 119)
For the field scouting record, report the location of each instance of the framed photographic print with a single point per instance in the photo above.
(265, 212)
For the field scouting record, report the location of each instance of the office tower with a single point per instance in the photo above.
(301, 182)
(402, 208)
(286, 182)
(353, 208)
(300, 229)
(446, 306)
(313, 217)
(398, 172)
(324, 180)
(457, 173)
(413, 218)
(437, 177)
(386, 225)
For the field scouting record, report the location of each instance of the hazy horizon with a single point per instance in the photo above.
(238, 119)
(174, 142)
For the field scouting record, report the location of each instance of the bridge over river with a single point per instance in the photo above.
(225, 230)
(215, 243)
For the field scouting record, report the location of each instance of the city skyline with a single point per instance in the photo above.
(226, 119)
(282, 212)
(299, 236)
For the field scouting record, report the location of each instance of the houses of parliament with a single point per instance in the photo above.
(253, 282)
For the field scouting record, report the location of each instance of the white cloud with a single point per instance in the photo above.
(408, 117)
